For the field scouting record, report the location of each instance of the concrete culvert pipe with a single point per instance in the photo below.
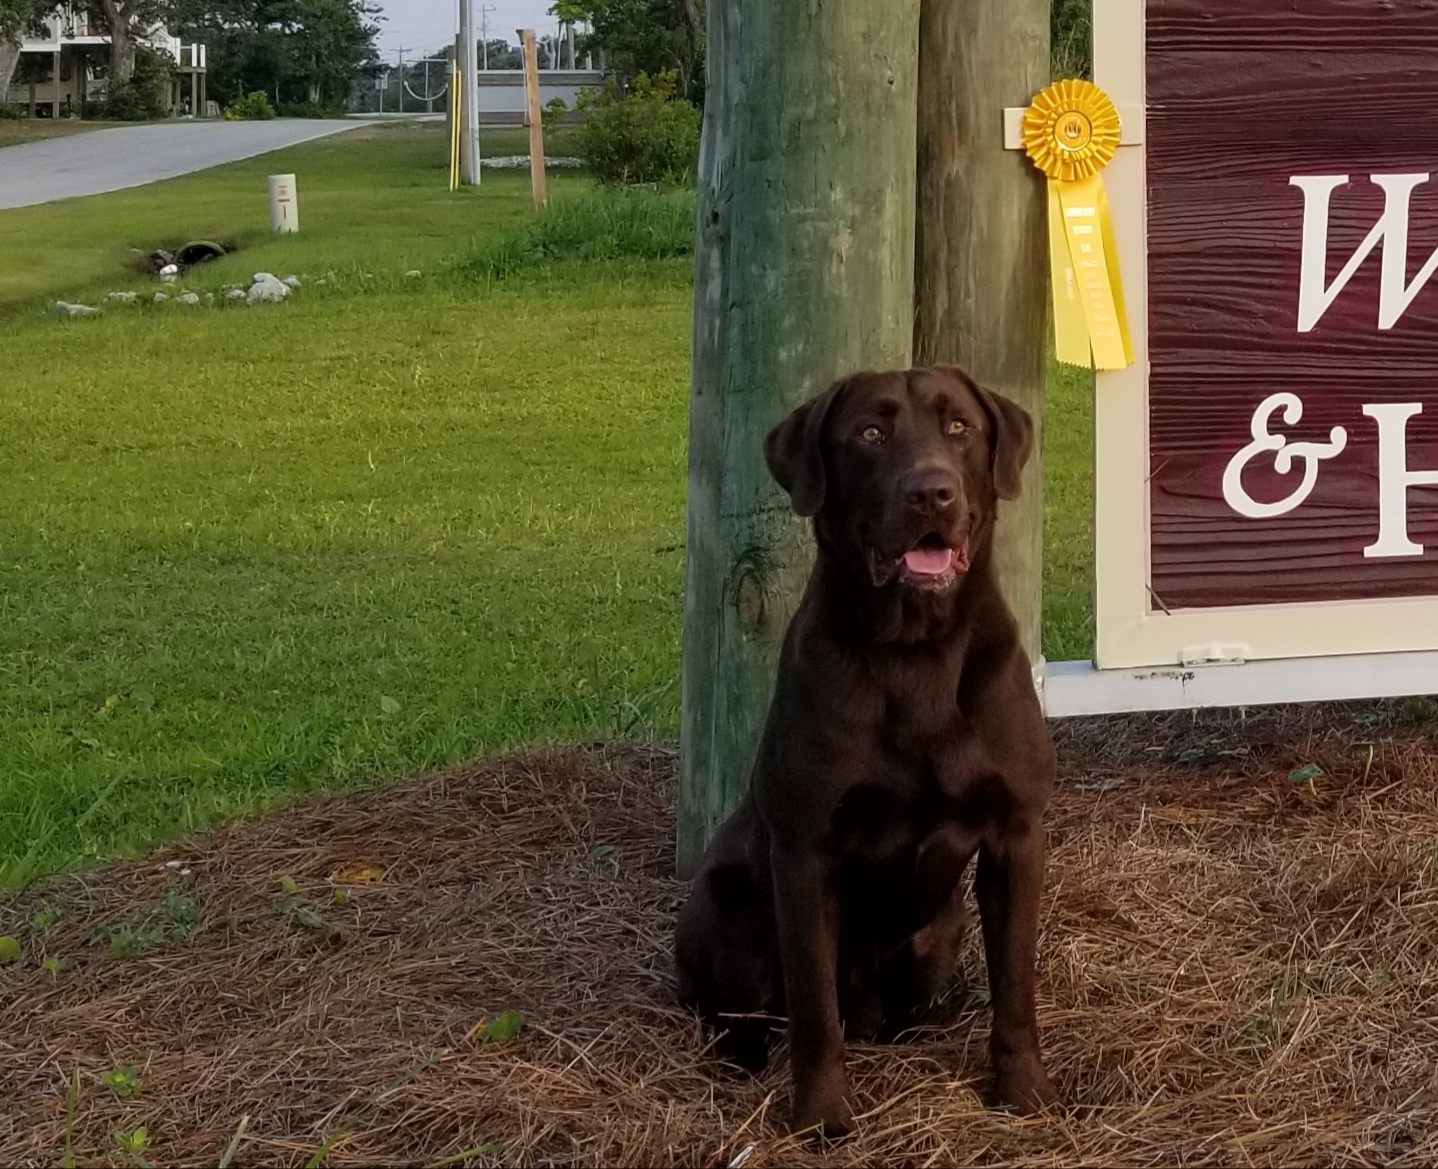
(201, 251)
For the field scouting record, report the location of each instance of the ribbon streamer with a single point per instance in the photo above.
(1071, 131)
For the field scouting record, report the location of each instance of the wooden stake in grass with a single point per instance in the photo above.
(803, 273)
(534, 117)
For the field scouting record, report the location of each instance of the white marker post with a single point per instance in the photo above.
(284, 204)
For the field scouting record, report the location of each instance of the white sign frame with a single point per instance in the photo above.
(1131, 630)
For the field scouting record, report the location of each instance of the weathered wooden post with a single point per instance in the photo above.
(981, 262)
(804, 271)
(533, 116)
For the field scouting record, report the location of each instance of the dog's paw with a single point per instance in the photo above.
(1024, 1086)
(825, 1109)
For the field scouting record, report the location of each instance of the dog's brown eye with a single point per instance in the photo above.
(872, 434)
(956, 428)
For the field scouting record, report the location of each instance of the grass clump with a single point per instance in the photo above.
(598, 226)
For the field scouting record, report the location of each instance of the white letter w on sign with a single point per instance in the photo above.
(1395, 293)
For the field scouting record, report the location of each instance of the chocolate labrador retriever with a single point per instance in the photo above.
(904, 737)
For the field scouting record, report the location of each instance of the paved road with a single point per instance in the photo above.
(129, 156)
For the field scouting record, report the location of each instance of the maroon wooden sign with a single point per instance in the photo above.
(1292, 153)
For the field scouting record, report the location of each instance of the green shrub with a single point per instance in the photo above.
(602, 226)
(643, 136)
(253, 107)
(309, 109)
(144, 97)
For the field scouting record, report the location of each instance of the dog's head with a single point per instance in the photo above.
(901, 471)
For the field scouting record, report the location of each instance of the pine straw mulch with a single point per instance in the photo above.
(1238, 967)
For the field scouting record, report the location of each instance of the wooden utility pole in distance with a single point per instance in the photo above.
(534, 116)
(981, 264)
(803, 272)
(467, 106)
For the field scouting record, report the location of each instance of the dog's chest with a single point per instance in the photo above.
(919, 777)
(901, 848)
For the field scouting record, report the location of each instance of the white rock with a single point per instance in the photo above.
(66, 309)
(120, 298)
(235, 294)
(320, 281)
(518, 161)
(158, 297)
(414, 272)
(188, 298)
(268, 290)
(292, 280)
(209, 296)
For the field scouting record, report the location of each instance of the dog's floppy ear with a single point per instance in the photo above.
(794, 451)
(1012, 438)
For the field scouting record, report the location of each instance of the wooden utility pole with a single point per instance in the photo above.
(981, 265)
(467, 106)
(534, 116)
(803, 272)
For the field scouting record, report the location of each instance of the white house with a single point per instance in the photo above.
(76, 48)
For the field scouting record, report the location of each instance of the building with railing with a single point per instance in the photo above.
(67, 56)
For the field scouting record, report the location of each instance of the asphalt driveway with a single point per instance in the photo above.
(130, 156)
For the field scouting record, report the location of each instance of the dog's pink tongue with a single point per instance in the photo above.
(929, 561)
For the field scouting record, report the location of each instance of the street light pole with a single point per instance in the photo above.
(484, 11)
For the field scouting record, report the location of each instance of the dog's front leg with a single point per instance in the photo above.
(806, 907)
(1009, 884)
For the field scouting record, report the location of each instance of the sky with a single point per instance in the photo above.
(421, 26)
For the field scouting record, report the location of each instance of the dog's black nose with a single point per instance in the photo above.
(931, 490)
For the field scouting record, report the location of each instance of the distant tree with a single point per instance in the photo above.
(500, 55)
(644, 36)
(146, 95)
(306, 55)
(15, 15)
(125, 19)
(331, 45)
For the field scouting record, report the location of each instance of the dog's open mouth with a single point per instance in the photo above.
(931, 563)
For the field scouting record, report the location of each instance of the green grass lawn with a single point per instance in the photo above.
(372, 196)
(248, 552)
(16, 130)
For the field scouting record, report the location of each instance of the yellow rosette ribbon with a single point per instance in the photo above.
(1071, 131)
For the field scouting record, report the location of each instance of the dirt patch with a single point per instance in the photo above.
(1238, 968)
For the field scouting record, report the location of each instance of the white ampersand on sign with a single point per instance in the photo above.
(1284, 452)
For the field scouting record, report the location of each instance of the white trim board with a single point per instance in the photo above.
(1076, 689)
